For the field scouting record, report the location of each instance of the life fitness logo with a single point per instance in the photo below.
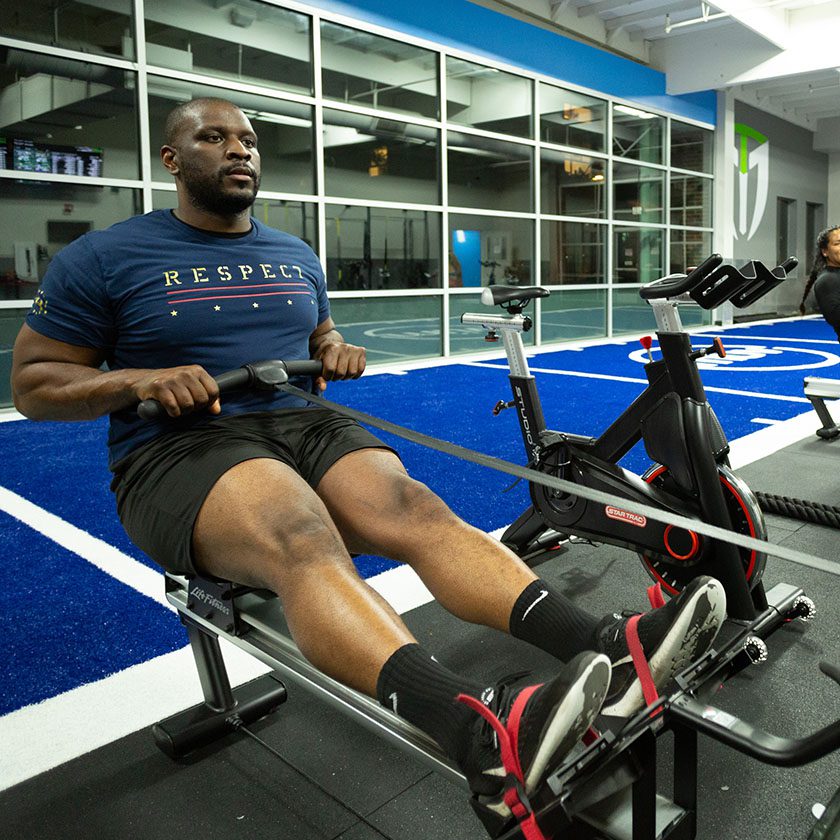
(625, 516)
(753, 179)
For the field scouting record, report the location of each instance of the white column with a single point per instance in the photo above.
(723, 198)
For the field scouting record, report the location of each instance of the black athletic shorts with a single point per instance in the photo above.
(161, 487)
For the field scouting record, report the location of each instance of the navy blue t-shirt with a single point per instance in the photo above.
(153, 292)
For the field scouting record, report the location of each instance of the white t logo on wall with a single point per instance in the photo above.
(759, 160)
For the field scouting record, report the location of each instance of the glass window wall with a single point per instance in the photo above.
(688, 249)
(630, 313)
(572, 119)
(67, 117)
(489, 174)
(359, 68)
(692, 147)
(382, 159)
(573, 253)
(95, 26)
(382, 248)
(568, 314)
(246, 41)
(638, 254)
(284, 131)
(391, 328)
(691, 201)
(572, 185)
(487, 98)
(638, 134)
(638, 193)
(490, 250)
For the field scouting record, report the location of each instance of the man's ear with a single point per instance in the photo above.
(169, 156)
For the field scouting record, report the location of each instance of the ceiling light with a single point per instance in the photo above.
(633, 112)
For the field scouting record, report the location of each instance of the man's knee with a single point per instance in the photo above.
(413, 500)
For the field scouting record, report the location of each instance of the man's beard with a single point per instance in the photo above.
(208, 194)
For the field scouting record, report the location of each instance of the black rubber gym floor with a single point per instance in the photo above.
(336, 780)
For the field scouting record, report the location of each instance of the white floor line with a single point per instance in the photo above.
(37, 738)
(712, 334)
(611, 377)
(110, 560)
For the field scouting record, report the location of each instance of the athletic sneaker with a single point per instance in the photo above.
(553, 719)
(672, 636)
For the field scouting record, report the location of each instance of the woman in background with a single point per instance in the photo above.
(825, 277)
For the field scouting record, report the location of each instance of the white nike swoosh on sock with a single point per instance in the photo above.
(543, 594)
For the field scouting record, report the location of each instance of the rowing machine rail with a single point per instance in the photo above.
(609, 788)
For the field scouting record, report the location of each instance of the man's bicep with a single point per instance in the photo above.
(31, 347)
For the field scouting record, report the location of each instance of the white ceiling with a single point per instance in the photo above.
(779, 55)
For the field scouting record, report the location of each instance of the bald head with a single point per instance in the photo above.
(186, 113)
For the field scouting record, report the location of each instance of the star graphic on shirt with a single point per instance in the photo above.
(174, 312)
(217, 308)
(255, 305)
(289, 302)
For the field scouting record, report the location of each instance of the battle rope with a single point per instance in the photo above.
(569, 487)
(815, 512)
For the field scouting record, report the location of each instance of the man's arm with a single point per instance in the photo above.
(52, 380)
(341, 360)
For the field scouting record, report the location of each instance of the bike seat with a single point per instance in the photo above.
(498, 295)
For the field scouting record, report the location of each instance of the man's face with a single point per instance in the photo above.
(218, 161)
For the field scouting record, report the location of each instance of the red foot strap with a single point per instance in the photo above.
(514, 795)
(640, 663)
(655, 596)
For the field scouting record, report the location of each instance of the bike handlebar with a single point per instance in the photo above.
(714, 282)
(261, 376)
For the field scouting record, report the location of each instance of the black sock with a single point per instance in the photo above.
(548, 619)
(420, 690)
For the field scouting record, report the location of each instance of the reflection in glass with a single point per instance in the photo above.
(691, 147)
(247, 41)
(572, 253)
(572, 185)
(95, 26)
(688, 249)
(383, 159)
(691, 201)
(360, 68)
(638, 193)
(67, 117)
(490, 250)
(56, 214)
(572, 119)
(284, 131)
(488, 174)
(382, 248)
(637, 255)
(637, 134)
(483, 97)
(568, 315)
(630, 313)
(391, 328)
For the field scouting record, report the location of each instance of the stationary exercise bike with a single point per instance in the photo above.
(681, 434)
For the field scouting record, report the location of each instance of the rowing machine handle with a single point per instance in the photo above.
(259, 376)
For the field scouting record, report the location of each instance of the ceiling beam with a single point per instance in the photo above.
(768, 22)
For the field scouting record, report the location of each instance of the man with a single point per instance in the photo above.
(267, 491)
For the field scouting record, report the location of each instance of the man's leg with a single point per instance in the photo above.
(378, 508)
(262, 525)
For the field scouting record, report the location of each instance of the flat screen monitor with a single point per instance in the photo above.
(24, 155)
